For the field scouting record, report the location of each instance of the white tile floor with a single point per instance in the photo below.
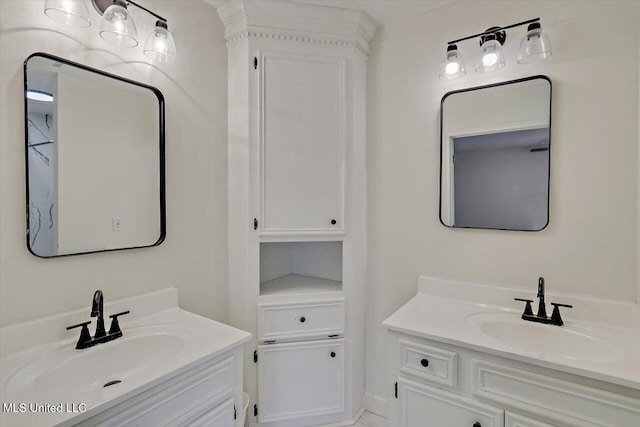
(369, 419)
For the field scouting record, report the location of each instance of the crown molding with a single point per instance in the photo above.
(296, 22)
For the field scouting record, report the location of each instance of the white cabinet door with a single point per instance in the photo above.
(423, 406)
(220, 416)
(300, 379)
(517, 420)
(302, 149)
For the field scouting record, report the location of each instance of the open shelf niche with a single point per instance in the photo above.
(300, 267)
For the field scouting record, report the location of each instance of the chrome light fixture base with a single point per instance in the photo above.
(500, 35)
(101, 5)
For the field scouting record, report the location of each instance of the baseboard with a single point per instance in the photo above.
(375, 404)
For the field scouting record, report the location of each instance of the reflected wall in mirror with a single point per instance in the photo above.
(495, 151)
(94, 158)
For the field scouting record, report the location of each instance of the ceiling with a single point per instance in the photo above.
(382, 12)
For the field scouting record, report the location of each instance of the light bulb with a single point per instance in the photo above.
(489, 59)
(452, 68)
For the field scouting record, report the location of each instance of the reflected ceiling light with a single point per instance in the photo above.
(535, 45)
(68, 12)
(452, 66)
(39, 95)
(160, 45)
(117, 25)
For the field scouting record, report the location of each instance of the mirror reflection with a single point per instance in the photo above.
(495, 146)
(95, 160)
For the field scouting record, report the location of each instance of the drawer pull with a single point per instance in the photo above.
(477, 424)
(302, 319)
(333, 354)
(425, 363)
(333, 222)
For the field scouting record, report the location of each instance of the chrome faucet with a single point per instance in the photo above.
(100, 336)
(541, 317)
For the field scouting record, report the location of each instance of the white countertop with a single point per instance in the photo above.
(438, 315)
(201, 339)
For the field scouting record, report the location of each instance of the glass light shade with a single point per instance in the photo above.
(452, 66)
(117, 27)
(490, 57)
(535, 45)
(68, 12)
(160, 45)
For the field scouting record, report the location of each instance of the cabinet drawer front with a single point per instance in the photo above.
(293, 321)
(428, 363)
(424, 406)
(569, 403)
(221, 416)
(175, 402)
(300, 379)
(517, 420)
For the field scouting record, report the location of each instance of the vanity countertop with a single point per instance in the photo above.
(160, 341)
(484, 318)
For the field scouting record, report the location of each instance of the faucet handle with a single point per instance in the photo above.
(85, 336)
(556, 319)
(115, 326)
(527, 308)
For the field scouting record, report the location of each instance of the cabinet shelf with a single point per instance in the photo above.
(298, 284)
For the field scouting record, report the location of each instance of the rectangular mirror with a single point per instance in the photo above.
(494, 157)
(94, 160)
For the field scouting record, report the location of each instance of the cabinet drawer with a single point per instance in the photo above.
(428, 363)
(176, 402)
(517, 420)
(424, 406)
(298, 380)
(295, 321)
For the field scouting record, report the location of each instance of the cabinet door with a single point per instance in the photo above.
(517, 420)
(220, 416)
(302, 150)
(300, 379)
(423, 406)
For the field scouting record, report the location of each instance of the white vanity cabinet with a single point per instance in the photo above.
(463, 387)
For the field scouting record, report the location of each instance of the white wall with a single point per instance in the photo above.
(194, 255)
(591, 243)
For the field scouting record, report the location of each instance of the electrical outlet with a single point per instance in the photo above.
(116, 223)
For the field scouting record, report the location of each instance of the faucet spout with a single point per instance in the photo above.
(542, 310)
(97, 310)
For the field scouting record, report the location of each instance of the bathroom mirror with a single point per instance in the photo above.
(94, 160)
(494, 157)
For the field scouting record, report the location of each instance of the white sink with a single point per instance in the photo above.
(568, 341)
(78, 372)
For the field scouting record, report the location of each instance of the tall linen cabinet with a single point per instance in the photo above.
(297, 200)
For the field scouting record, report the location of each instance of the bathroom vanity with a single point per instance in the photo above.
(459, 354)
(170, 368)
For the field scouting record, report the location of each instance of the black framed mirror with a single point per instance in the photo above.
(95, 160)
(495, 143)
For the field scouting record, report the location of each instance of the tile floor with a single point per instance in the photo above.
(369, 419)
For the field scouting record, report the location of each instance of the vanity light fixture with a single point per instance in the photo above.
(535, 45)
(453, 65)
(117, 25)
(68, 12)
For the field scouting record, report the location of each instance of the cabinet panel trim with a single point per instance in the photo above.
(569, 403)
(447, 377)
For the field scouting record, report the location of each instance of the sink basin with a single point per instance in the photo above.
(568, 341)
(140, 352)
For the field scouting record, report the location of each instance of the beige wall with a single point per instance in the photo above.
(591, 243)
(194, 255)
